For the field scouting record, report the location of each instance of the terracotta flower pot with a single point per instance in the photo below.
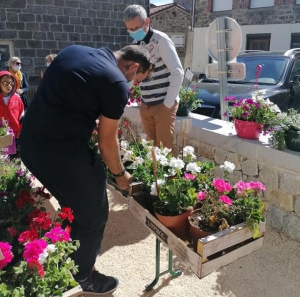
(247, 130)
(179, 225)
(196, 232)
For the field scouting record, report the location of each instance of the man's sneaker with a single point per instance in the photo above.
(99, 284)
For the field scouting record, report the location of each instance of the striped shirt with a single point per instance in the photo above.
(167, 76)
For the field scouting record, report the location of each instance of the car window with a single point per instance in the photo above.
(272, 68)
(296, 69)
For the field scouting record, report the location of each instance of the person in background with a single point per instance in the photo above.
(160, 92)
(81, 85)
(49, 59)
(11, 105)
(14, 67)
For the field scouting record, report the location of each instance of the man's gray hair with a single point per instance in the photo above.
(132, 11)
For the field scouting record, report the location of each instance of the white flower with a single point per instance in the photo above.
(153, 186)
(162, 160)
(43, 256)
(51, 248)
(127, 156)
(137, 161)
(188, 150)
(228, 166)
(124, 144)
(165, 151)
(193, 168)
(176, 163)
(274, 108)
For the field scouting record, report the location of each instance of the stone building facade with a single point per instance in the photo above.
(173, 20)
(32, 29)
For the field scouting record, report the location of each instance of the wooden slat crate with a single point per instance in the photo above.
(74, 292)
(213, 252)
(5, 141)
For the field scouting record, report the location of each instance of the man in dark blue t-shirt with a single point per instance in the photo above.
(81, 85)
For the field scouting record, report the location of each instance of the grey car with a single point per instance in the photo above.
(279, 79)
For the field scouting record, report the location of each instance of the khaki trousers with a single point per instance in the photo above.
(158, 122)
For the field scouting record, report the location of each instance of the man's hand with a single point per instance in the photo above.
(124, 181)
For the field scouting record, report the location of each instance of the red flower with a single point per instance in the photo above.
(28, 235)
(12, 231)
(33, 214)
(41, 193)
(42, 221)
(68, 229)
(35, 265)
(24, 199)
(66, 214)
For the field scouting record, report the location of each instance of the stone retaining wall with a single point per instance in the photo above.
(216, 141)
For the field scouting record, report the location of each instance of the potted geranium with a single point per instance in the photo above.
(252, 115)
(223, 205)
(6, 135)
(188, 100)
(286, 130)
(34, 249)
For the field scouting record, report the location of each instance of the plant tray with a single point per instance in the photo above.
(5, 141)
(213, 252)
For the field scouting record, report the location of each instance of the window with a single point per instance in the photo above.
(258, 42)
(297, 2)
(295, 43)
(220, 5)
(6, 51)
(260, 3)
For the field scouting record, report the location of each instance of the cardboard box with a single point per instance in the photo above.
(5, 141)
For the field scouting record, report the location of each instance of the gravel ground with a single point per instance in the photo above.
(128, 253)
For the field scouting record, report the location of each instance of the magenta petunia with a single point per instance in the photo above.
(189, 176)
(33, 249)
(256, 185)
(226, 199)
(221, 185)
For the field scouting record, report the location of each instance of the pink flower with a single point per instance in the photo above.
(226, 199)
(241, 187)
(201, 196)
(189, 176)
(33, 249)
(5, 248)
(221, 185)
(58, 234)
(257, 185)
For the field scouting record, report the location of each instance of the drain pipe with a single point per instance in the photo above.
(192, 29)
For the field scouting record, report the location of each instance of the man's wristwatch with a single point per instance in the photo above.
(120, 174)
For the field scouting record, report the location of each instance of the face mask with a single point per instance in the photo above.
(47, 64)
(16, 68)
(130, 83)
(138, 34)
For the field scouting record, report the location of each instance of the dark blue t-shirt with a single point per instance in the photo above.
(81, 84)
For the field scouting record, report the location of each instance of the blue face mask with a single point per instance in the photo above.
(138, 34)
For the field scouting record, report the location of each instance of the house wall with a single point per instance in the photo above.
(254, 160)
(280, 21)
(173, 22)
(36, 28)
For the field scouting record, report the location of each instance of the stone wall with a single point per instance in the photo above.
(40, 27)
(215, 140)
(172, 22)
(284, 11)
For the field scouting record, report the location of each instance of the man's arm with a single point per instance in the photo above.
(170, 57)
(110, 149)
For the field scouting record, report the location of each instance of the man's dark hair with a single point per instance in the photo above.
(139, 55)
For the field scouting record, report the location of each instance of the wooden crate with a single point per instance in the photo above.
(213, 252)
(5, 141)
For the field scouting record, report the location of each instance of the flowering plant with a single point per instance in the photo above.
(255, 109)
(223, 205)
(34, 249)
(3, 127)
(188, 97)
(135, 94)
(283, 122)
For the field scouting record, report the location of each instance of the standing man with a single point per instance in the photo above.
(81, 85)
(160, 92)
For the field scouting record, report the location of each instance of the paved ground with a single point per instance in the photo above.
(128, 252)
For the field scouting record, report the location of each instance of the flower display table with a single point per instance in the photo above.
(213, 252)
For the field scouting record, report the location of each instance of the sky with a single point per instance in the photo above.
(161, 2)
